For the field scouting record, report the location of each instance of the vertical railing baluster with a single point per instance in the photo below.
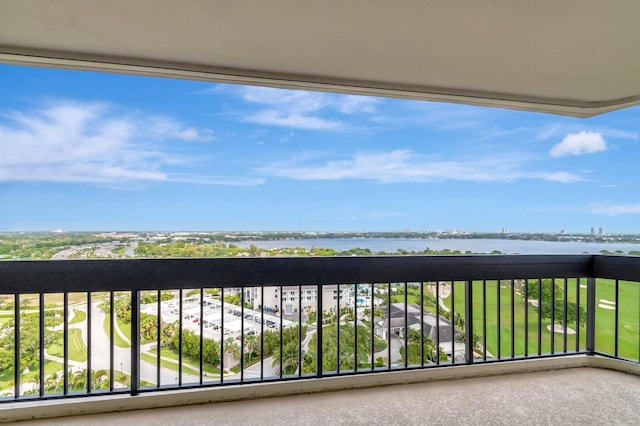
(578, 289)
(468, 321)
(112, 321)
(373, 325)
(406, 325)
(389, 325)
(591, 316)
(513, 318)
(338, 330)
(355, 328)
(453, 322)
(499, 324)
(566, 304)
(421, 323)
(41, 347)
(158, 345)
(261, 332)
(242, 333)
(111, 344)
(319, 354)
(553, 315)
(281, 311)
(484, 320)
(616, 317)
(300, 318)
(16, 346)
(222, 335)
(526, 317)
(65, 343)
(135, 342)
(89, 345)
(539, 317)
(201, 322)
(180, 325)
(437, 348)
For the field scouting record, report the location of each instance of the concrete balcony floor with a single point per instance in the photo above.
(589, 396)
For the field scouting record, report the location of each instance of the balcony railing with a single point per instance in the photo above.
(96, 327)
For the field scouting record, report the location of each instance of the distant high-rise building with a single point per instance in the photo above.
(593, 231)
(505, 230)
(563, 232)
(601, 231)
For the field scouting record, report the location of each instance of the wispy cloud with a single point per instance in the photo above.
(167, 128)
(615, 209)
(407, 166)
(563, 177)
(578, 144)
(293, 120)
(299, 109)
(90, 142)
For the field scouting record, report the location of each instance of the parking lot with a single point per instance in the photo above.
(218, 319)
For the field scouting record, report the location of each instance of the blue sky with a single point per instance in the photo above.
(87, 151)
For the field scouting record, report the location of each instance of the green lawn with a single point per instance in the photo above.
(77, 348)
(172, 365)
(628, 321)
(629, 298)
(6, 375)
(78, 317)
(173, 354)
(117, 340)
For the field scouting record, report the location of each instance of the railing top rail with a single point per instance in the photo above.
(617, 267)
(146, 274)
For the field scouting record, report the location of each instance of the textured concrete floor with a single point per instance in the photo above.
(585, 396)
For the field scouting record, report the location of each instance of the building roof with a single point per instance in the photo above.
(572, 57)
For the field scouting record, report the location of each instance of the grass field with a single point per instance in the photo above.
(173, 354)
(78, 317)
(117, 340)
(76, 346)
(628, 321)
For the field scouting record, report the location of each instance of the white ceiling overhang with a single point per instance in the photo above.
(570, 57)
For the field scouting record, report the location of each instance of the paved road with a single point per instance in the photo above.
(100, 351)
(148, 371)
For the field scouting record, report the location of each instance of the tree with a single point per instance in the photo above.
(78, 379)
(99, 379)
(430, 349)
(230, 348)
(331, 359)
(250, 343)
(547, 306)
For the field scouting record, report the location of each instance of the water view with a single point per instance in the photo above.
(462, 245)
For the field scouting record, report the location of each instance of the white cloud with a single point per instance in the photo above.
(406, 166)
(351, 104)
(167, 128)
(615, 209)
(303, 110)
(293, 120)
(563, 177)
(89, 143)
(578, 144)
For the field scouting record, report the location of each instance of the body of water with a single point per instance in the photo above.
(473, 245)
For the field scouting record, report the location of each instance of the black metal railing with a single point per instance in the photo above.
(82, 327)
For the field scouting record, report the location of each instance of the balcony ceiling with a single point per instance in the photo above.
(571, 57)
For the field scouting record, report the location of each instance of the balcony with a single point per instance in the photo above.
(190, 331)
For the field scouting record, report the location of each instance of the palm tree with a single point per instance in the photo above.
(289, 357)
(230, 348)
(78, 379)
(250, 342)
(97, 381)
(53, 382)
(36, 384)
